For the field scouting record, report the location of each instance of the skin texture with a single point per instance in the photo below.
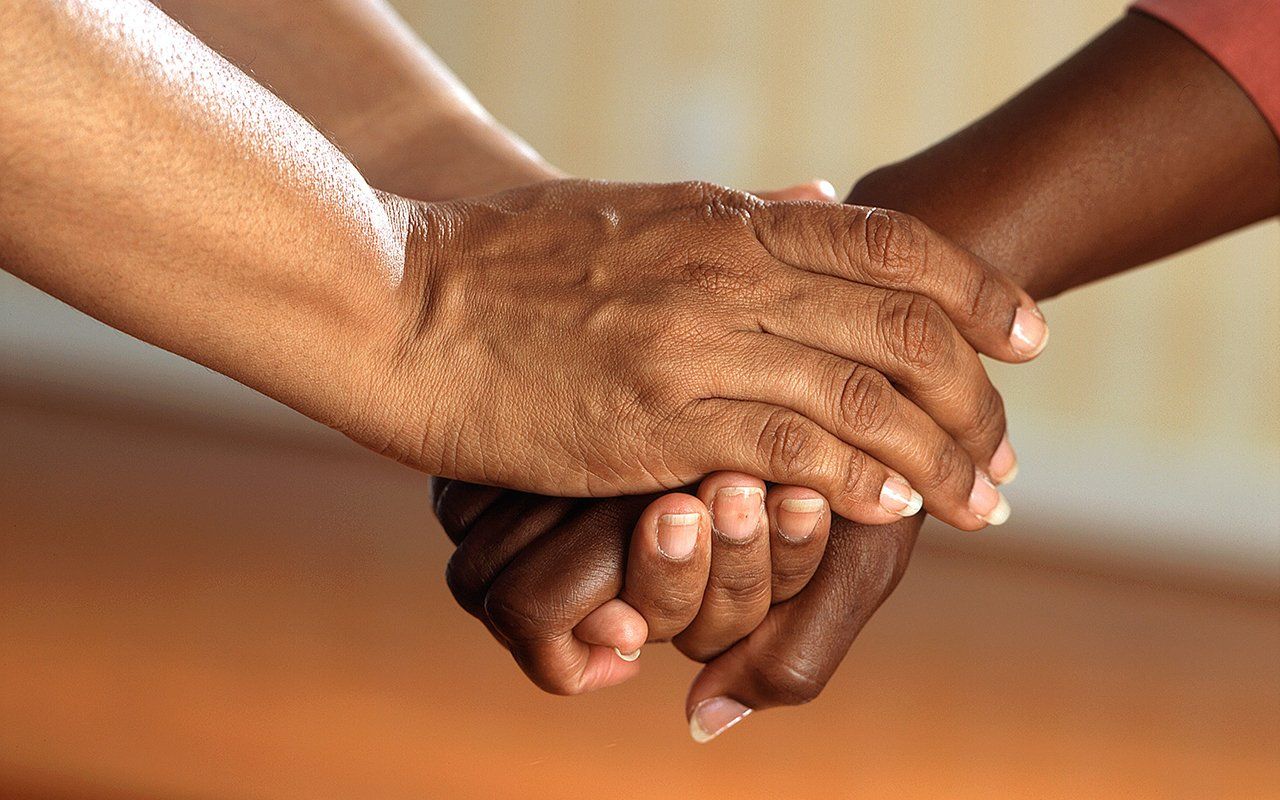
(631, 359)
(588, 316)
(1137, 146)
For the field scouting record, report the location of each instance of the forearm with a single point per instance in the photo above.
(356, 71)
(152, 185)
(1136, 147)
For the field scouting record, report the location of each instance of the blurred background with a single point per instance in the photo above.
(205, 595)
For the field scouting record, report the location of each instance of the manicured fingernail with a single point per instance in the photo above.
(735, 511)
(1030, 332)
(714, 716)
(798, 517)
(632, 656)
(897, 496)
(824, 186)
(986, 502)
(678, 534)
(1004, 463)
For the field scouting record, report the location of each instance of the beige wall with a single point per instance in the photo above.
(1156, 403)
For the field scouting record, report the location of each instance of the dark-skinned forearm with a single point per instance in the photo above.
(1138, 146)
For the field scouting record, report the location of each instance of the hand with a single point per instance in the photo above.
(669, 571)
(718, 330)
(549, 593)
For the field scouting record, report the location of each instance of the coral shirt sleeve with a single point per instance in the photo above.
(1243, 36)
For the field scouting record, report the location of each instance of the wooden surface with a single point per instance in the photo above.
(190, 613)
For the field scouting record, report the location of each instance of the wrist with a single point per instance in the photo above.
(322, 333)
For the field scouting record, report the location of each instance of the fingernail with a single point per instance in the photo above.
(1030, 332)
(798, 517)
(986, 502)
(897, 496)
(678, 534)
(714, 716)
(826, 188)
(735, 511)
(1004, 463)
(632, 656)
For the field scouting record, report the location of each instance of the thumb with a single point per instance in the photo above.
(790, 657)
(818, 189)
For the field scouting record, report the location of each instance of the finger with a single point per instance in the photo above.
(667, 564)
(791, 656)
(496, 536)
(897, 251)
(798, 526)
(818, 190)
(738, 585)
(616, 625)
(863, 409)
(553, 585)
(458, 504)
(909, 339)
(783, 446)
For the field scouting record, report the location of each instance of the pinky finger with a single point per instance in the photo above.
(616, 625)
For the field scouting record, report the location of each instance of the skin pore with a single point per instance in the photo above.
(1032, 187)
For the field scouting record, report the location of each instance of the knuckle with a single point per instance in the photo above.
(720, 276)
(895, 246)
(865, 400)
(790, 679)
(916, 330)
(988, 423)
(787, 443)
(948, 469)
(855, 471)
(984, 297)
(515, 613)
(789, 577)
(668, 612)
(463, 583)
(740, 587)
(720, 203)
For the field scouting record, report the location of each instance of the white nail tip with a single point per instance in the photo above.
(1033, 348)
(701, 735)
(680, 520)
(913, 505)
(741, 491)
(1010, 475)
(803, 505)
(632, 656)
(998, 515)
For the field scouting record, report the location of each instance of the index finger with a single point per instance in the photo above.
(897, 251)
(791, 656)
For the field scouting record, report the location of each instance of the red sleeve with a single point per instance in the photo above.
(1243, 36)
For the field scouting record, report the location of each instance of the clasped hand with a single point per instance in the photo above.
(888, 315)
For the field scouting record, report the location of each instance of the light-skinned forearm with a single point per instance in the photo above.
(357, 72)
(151, 184)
